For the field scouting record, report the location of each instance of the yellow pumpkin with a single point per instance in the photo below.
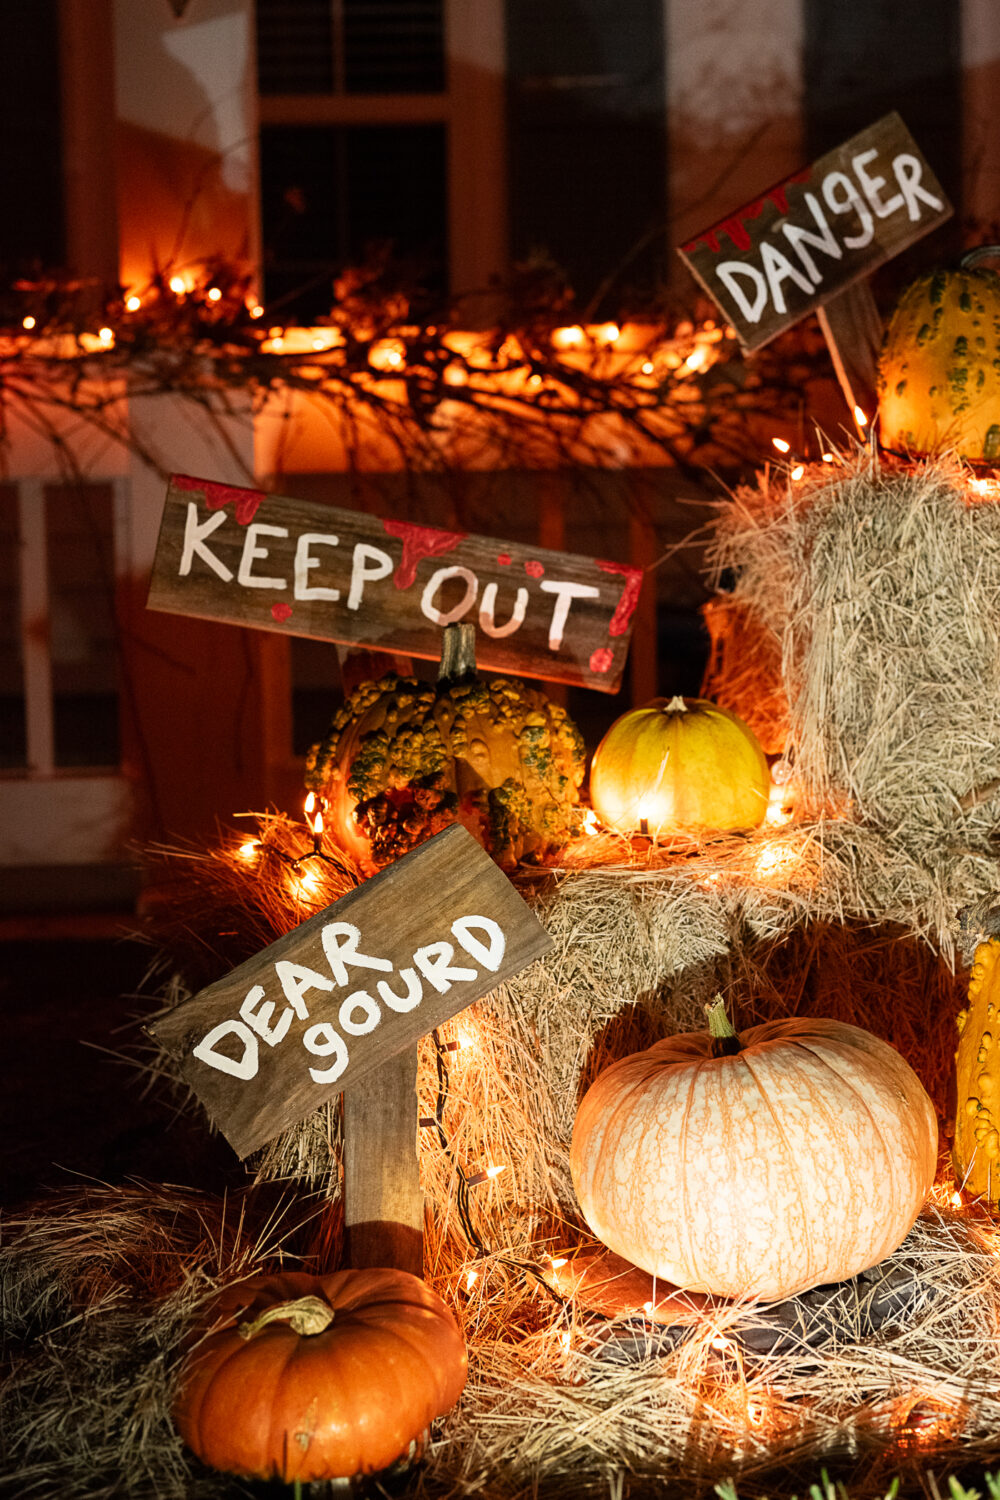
(939, 369)
(679, 766)
(976, 1144)
(760, 1165)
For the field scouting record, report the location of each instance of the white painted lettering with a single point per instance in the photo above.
(295, 979)
(322, 1041)
(257, 1013)
(340, 944)
(360, 1002)
(727, 272)
(565, 594)
(251, 552)
(403, 1003)
(908, 171)
(872, 186)
(194, 543)
(434, 963)
(304, 562)
(368, 565)
(487, 613)
(489, 954)
(842, 196)
(434, 583)
(824, 240)
(778, 268)
(243, 1067)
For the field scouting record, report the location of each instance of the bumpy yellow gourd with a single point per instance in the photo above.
(939, 370)
(976, 1148)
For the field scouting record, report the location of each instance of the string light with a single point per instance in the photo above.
(133, 303)
(860, 417)
(214, 294)
(781, 445)
(177, 285)
(798, 472)
(249, 850)
(28, 322)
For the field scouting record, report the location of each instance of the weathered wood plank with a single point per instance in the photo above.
(778, 258)
(292, 565)
(383, 1202)
(327, 1004)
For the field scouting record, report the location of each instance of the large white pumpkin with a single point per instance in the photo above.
(803, 1157)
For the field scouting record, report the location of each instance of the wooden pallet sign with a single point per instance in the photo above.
(318, 1011)
(812, 236)
(343, 575)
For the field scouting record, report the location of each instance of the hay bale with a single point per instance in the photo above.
(880, 581)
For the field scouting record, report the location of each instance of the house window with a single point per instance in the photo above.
(353, 145)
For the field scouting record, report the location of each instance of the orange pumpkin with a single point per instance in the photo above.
(679, 766)
(757, 1165)
(301, 1377)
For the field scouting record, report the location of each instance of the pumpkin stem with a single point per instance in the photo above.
(307, 1316)
(677, 705)
(458, 653)
(978, 254)
(725, 1041)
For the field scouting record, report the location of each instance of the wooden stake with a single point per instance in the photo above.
(853, 331)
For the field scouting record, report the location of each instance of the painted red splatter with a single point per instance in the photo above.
(281, 612)
(735, 225)
(245, 502)
(503, 558)
(419, 542)
(533, 568)
(601, 659)
(622, 617)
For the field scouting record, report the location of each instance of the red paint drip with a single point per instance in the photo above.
(281, 612)
(503, 558)
(533, 568)
(622, 617)
(735, 225)
(419, 542)
(217, 496)
(601, 659)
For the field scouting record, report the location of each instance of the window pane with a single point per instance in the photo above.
(294, 46)
(393, 46)
(587, 140)
(79, 523)
(31, 178)
(13, 746)
(333, 196)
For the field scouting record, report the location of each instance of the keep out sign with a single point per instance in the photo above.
(769, 263)
(314, 1013)
(313, 570)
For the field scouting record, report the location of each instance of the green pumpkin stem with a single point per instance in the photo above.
(306, 1315)
(458, 653)
(725, 1041)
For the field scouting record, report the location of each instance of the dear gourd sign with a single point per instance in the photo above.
(778, 258)
(317, 1011)
(341, 575)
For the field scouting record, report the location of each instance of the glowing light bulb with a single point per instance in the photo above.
(309, 804)
(178, 285)
(591, 823)
(471, 1277)
(609, 333)
(495, 1171)
(798, 472)
(256, 311)
(647, 367)
(827, 458)
(214, 294)
(28, 322)
(566, 1338)
(248, 850)
(106, 337)
(568, 338)
(559, 1260)
(647, 1307)
(781, 445)
(860, 417)
(722, 1344)
(133, 303)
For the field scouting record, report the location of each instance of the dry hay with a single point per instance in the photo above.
(879, 582)
(92, 1362)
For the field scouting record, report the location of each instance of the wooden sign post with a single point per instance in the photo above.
(343, 575)
(328, 1006)
(807, 244)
